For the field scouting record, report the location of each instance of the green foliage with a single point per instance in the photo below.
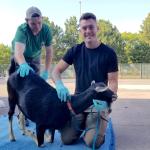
(128, 40)
(4, 54)
(71, 36)
(135, 48)
(4, 59)
(140, 52)
(145, 29)
(110, 35)
(127, 36)
(62, 40)
(57, 42)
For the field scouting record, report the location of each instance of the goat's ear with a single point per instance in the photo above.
(93, 82)
(101, 89)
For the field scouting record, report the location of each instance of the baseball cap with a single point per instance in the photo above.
(33, 12)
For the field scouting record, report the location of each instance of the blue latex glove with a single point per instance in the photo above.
(44, 75)
(24, 69)
(100, 105)
(62, 91)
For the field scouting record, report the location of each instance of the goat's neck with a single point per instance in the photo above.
(82, 101)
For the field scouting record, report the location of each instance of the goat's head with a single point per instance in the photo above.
(104, 93)
(98, 87)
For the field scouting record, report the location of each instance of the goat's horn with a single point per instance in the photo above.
(93, 82)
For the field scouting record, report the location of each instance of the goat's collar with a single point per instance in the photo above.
(70, 108)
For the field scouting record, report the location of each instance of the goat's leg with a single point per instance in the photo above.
(10, 118)
(11, 133)
(25, 131)
(52, 135)
(40, 130)
(49, 137)
(32, 135)
(21, 119)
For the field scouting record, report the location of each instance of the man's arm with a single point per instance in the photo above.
(60, 68)
(48, 57)
(48, 61)
(62, 91)
(113, 81)
(18, 53)
(24, 68)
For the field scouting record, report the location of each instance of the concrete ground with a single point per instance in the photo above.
(131, 121)
(130, 115)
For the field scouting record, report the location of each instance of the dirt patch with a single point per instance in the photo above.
(122, 93)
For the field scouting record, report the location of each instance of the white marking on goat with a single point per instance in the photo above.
(101, 89)
(47, 137)
(32, 135)
(22, 127)
(21, 119)
(11, 132)
(93, 82)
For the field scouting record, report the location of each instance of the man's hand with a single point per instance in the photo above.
(24, 69)
(44, 75)
(62, 91)
(100, 105)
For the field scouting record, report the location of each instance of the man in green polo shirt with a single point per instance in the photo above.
(29, 39)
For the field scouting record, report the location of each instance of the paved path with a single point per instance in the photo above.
(131, 120)
(128, 88)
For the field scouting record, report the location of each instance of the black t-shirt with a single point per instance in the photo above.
(91, 64)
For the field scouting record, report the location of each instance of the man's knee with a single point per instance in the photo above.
(69, 136)
(68, 140)
(91, 121)
(91, 140)
(71, 132)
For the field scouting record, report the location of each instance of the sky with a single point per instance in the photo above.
(126, 15)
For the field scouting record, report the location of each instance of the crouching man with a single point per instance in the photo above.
(92, 60)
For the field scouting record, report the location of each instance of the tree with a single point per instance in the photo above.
(110, 35)
(4, 54)
(71, 36)
(4, 58)
(57, 42)
(136, 49)
(145, 29)
(140, 52)
(129, 40)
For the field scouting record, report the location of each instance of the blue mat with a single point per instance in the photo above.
(26, 143)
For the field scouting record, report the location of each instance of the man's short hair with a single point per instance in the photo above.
(33, 12)
(87, 16)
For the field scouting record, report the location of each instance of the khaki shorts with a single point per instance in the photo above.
(95, 129)
(87, 120)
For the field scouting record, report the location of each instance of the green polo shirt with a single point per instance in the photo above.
(33, 43)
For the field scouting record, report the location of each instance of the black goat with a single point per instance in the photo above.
(39, 102)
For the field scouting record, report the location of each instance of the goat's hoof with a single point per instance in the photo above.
(13, 140)
(48, 138)
(42, 145)
(51, 141)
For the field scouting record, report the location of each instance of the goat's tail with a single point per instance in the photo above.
(12, 67)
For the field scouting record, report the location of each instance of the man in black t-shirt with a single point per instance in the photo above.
(92, 60)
